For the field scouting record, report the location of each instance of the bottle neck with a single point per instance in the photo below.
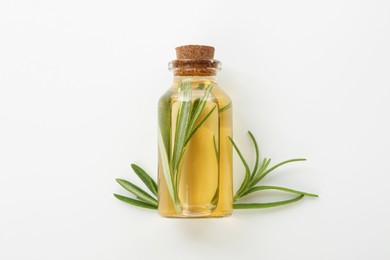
(188, 68)
(177, 79)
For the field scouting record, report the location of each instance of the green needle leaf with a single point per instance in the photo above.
(265, 205)
(194, 108)
(278, 165)
(247, 170)
(263, 163)
(137, 191)
(223, 109)
(182, 124)
(216, 149)
(135, 202)
(198, 107)
(257, 154)
(200, 124)
(149, 182)
(163, 156)
(259, 188)
(257, 176)
(196, 112)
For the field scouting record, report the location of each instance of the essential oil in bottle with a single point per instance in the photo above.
(195, 153)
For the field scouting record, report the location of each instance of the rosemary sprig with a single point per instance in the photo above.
(188, 115)
(248, 186)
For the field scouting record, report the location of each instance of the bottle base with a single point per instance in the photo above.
(194, 214)
(194, 217)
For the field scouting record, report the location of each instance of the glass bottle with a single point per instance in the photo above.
(195, 153)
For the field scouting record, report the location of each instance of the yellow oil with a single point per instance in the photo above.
(205, 184)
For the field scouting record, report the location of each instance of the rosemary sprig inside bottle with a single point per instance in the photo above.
(249, 185)
(188, 122)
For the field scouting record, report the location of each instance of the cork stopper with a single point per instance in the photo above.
(195, 52)
(194, 60)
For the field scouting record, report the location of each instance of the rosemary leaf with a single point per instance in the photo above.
(254, 182)
(265, 205)
(194, 107)
(137, 191)
(247, 171)
(223, 109)
(200, 124)
(262, 166)
(196, 112)
(166, 169)
(259, 188)
(181, 124)
(216, 150)
(257, 176)
(164, 121)
(257, 154)
(149, 182)
(135, 202)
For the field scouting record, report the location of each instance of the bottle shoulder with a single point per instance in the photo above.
(220, 93)
(197, 91)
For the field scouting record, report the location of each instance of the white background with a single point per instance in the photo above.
(79, 85)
